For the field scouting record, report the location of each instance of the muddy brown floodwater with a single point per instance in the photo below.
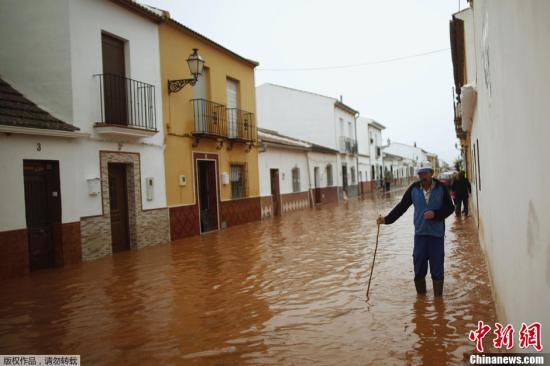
(287, 291)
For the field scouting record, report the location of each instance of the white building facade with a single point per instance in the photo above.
(94, 65)
(284, 174)
(326, 123)
(500, 60)
(375, 150)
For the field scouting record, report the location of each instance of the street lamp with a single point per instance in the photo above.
(196, 65)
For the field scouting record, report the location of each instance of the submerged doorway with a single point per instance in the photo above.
(316, 181)
(275, 192)
(42, 210)
(345, 178)
(118, 201)
(207, 194)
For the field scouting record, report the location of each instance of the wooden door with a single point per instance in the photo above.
(275, 192)
(114, 80)
(345, 177)
(42, 210)
(118, 200)
(316, 179)
(208, 195)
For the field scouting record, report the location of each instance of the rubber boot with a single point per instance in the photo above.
(438, 287)
(420, 285)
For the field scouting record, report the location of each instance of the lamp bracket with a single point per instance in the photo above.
(175, 86)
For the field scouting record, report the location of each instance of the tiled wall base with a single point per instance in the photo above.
(295, 201)
(184, 221)
(240, 211)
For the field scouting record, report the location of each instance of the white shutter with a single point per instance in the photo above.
(232, 95)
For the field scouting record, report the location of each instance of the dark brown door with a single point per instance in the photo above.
(42, 210)
(275, 193)
(208, 196)
(345, 178)
(316, 181)
(114, 80)
(118, 199)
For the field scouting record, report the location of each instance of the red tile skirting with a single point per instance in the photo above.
(240, 211)
(328, 194)
(266, 204)
(15, 253)
(184, 221)
(71, 243)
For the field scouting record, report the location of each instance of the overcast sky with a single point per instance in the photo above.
(411, 97)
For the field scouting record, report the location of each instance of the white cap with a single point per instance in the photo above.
(424, 167)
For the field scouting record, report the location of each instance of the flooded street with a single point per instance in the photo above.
(287, 291)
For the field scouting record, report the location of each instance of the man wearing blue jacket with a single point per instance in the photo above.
(432, 205)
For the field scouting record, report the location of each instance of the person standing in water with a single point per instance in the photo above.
(462, 189)
(432, 205)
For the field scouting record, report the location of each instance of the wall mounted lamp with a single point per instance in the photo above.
(196, 65)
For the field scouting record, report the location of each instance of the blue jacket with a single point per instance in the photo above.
(440, 203)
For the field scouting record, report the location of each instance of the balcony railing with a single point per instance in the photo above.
(210, 118)
(127, 102)
(348, 145)
(241, 125)
(216, 120)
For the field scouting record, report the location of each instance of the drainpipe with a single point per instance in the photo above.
(311, 198)
(359, 184)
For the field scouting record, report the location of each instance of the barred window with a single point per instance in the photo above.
(296, 180)
(329, 175)
(238, 180)
(352, 175)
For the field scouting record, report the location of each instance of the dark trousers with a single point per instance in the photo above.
(459, 201)
(428, 249)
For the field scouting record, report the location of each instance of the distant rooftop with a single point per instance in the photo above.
(298, 90)
(337, 102)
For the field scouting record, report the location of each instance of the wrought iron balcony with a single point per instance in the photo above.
(126, 103)
(210, 118)
(348, 145)
(241, 125)
(216, 120)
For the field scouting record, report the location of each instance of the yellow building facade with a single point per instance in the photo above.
(211, 155)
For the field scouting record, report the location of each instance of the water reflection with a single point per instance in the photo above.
(285, 291)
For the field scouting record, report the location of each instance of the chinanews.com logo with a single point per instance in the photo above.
(528, 338)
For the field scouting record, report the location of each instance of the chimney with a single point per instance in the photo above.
(341, 99)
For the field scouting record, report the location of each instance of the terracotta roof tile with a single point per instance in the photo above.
(16, 110)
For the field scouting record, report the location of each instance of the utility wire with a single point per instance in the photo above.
(336, 67)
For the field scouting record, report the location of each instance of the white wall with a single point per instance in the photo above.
(284, 160)
(295, 113)
(408, 151)
(377, 142)
(321, 160)
(52, 61)
(74, 169)
(348, 119)
(350, 161)
(512, 78)
(363, 136)
(88, 20)
(365, 168)
(35, 56)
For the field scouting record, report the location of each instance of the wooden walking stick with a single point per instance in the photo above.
(373, 260)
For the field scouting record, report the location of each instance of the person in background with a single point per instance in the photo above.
(388, 179)
(451, 182)
(432, 205)
(462, 189)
